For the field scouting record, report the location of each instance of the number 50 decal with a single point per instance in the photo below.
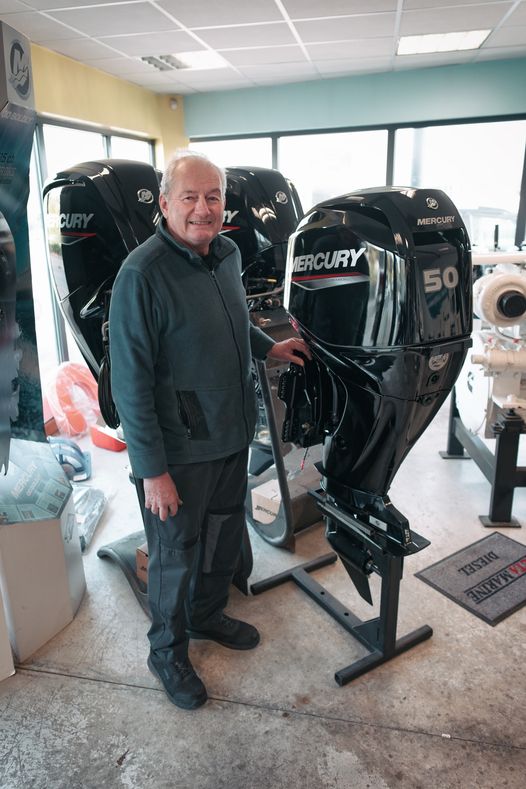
(434, 279)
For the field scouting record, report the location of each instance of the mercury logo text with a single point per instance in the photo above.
(339, 258)
(228, 216)
(435, 220)
(70, 221)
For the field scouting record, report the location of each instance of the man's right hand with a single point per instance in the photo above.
(160, 496)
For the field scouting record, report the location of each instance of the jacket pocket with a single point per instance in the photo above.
(192, 416)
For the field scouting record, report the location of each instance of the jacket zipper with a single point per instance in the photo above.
(218, 287)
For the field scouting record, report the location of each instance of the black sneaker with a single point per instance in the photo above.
(182, 685)
(229, 632)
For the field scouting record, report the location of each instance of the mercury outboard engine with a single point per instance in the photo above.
(378, 283)
(262, 210)
(96, 212)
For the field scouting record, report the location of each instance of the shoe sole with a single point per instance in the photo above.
(182, 704)
(197, 636)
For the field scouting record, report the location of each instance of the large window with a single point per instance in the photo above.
(478, 165)
(126, 148)
(65, 147)
(327, 165)
(251, 152)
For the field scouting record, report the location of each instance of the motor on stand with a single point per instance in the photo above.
(378, 283)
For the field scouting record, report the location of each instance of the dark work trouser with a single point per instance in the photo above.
(193, 556)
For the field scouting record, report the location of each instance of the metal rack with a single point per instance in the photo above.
(500, 468)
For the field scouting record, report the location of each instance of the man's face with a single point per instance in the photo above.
(194, 207)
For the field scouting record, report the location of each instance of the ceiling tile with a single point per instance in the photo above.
(11, 6)
(116, 19)
(121, 66)
(367, 47)
(312, 9)
(284, 79)
(500, 53)
(48, 5)
(278, 69)
(453, 18)
(251, 57)
(195, 78)
(349, 27)
(38, 27)
(209, 13)
(342, 66)
(247, 35)
(78, 48)
(518, 17)
(152, 43)
(508, 37)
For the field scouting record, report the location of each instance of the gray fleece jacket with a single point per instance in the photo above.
(180, 345)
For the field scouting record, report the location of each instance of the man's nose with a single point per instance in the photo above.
(201, 205)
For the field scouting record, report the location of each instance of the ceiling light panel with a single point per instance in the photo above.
(441, 42)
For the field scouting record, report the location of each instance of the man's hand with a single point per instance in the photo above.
(160, 496)
(290, 350)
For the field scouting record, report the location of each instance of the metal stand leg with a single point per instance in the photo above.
(378, 635)
(454, 446)
(506, 474)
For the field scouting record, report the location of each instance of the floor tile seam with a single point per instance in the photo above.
(296, 713)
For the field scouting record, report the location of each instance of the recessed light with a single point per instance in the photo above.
(441, 42)
(200, 59)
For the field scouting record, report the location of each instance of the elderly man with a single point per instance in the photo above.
(181, 346)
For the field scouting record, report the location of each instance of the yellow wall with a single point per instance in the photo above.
(70, 90)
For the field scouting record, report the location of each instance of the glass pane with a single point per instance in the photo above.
(255, 152)
(67, 147)
(136, 150)
(44, 320)
(327, 165)
(479, 166)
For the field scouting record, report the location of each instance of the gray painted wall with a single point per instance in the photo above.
(488, 89)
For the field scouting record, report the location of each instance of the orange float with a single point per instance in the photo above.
(72, 396)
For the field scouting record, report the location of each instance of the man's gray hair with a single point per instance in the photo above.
(170, 171)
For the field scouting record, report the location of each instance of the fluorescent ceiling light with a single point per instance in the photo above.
(200, 59)
(441, 42)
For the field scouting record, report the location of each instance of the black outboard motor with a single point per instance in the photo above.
(262, 210)
(378, 283)
(97, 212)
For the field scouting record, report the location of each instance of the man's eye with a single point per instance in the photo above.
(213, 199)
(189, 199)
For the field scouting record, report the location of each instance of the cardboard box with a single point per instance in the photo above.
(7, 668)
(266, 499)
(141, 558)
(41, 572)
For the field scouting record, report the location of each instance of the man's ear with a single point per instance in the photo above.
(163, 205)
